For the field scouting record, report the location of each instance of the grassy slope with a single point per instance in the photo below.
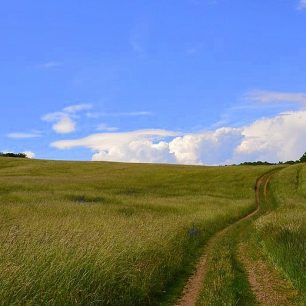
(106, 233)
(225, 281)
(274, 238)
(282, 233)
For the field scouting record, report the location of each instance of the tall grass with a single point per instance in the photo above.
(77, 233)
(282, 233)
(225, 281)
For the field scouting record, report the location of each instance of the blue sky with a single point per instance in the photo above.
(185, 81)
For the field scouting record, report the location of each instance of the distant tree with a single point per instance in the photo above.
(303, 158)
(9, 154)
(290, 162)
(257, 163)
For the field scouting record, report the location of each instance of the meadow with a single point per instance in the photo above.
(262, 260)
(282, 232)
(84, 233)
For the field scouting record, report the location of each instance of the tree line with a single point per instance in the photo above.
(9, 154)
(289, 162)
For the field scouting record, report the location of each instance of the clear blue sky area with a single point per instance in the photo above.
(188, 66)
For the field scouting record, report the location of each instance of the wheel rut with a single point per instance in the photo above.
(267, 284)
(194, 284)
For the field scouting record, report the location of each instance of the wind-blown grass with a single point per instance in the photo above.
(109, 233)
(283, 232)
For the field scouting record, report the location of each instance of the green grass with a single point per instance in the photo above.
(282, 233)
(225, 282)
(85, 233)
(274, 237)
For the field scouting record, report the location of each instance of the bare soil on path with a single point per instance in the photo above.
(194, 284)
(267, 284)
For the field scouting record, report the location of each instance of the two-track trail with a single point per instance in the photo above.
(267, 284)
(194, 284)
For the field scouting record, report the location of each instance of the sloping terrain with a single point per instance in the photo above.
(110, 233)
(261, 259)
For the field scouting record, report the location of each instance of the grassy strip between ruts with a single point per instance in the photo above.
(107, 233)
(281, 234)
(226, 282)
(268, 284)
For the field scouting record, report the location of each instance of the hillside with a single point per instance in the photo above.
(128, 234)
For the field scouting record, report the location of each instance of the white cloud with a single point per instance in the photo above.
(135, 146)
(64, 122)
(211, 147)
(22, 135)
(281, 137)
(29, 154)
(266, 97)
(119, 114)
(302, 4)
(106, 128)
(137, 151)
(278, 138)
(64, 125)
(77, 108)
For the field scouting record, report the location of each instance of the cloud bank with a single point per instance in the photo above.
(281, 137)
(136, 146)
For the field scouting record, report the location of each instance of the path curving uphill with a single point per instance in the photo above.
(267, 284)
(194, 284)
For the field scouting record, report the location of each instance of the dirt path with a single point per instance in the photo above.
(195, 282)
(268, 286)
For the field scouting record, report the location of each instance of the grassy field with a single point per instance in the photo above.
(262, 260)
(85, 233)
(282, 233)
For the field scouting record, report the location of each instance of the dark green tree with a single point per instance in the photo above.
(9, 154)
(303, 158)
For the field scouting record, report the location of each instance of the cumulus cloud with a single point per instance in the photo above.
(278, 138)
(137, 151)
(29, 154)
(281, 137)
(64, 122)
(64, 125)
(135, 146)
(213, 147)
